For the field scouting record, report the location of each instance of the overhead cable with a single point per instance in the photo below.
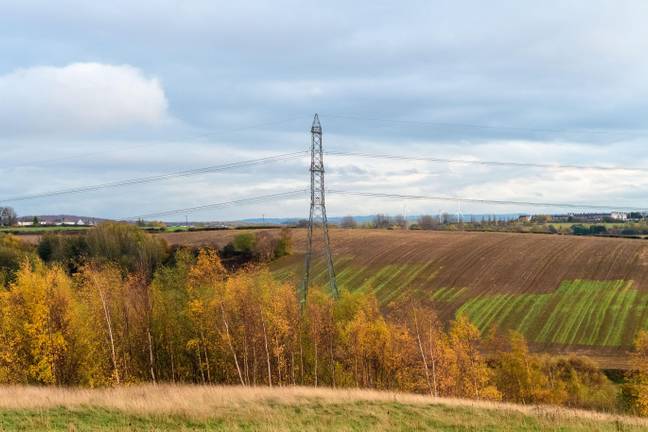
(242, 201)
(488, 201)
(150, 179)
(487, 162)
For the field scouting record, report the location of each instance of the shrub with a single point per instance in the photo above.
(127, 246)
(244, 243)
(284, 244)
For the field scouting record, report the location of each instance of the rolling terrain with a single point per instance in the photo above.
(565, 293)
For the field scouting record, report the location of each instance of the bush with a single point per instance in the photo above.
(244, 243)
(127, 246)
(69, 250)
(12, 253)
(284, 244)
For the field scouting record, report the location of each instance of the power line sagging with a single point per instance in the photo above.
(548, 166)
(488, 201)
(243, 201)
(160, 177)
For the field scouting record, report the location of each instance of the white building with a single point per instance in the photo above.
(621, 216)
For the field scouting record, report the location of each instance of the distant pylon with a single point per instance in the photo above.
(317, 213)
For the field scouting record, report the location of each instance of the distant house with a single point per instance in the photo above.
(620, 216)
(598, 217)
(524, 218)
(25, 223)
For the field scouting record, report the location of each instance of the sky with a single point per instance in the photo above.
(97, 92)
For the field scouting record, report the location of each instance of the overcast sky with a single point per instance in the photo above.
(93, 92)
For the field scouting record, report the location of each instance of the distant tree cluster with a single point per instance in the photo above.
(8, 217)
(348, 222)
(261, 246)
(381, 221)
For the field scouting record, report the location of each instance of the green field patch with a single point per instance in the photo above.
(447, 294)
(387, 282)
(579, 312)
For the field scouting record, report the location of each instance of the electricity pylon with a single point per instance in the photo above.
(317, 212)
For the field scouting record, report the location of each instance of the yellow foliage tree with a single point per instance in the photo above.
(40, 341)
(473, 375)
(521, 377)
(635, 391)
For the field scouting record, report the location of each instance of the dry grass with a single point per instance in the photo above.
(203, 402)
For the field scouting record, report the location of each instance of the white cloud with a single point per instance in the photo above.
(80, 97)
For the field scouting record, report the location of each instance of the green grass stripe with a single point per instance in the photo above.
(447, 294)
(603, 321)
(579, 312)
(408, 284)
(620, 315)
(531, 309)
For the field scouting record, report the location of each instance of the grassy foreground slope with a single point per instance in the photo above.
(170, 407)
(562, 292)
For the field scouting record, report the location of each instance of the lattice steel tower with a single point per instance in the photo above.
(317, 212)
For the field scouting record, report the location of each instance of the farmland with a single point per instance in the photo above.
(565, 293)
(169, 407)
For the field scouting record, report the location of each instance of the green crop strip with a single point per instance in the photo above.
(387, 282)
(579, 312)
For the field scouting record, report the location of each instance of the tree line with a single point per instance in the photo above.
(130, 309)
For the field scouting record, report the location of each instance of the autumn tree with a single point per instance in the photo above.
(202, 281)
(635, 392)
(520, 376)
(41, 341)
(473, 375)
(101, 290)
(321, 331)
(13, 253)
(172, 327)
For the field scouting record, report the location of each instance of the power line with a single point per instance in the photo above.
(491, 127)
(488, 162)
(242, 201)
(487, 201)
(150, 179)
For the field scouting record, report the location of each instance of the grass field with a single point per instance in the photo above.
(170, 407)
(43, 229)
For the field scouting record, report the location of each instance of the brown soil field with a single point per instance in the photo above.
(492, 262)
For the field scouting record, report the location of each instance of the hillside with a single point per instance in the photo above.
(168, 407)
(565, 293)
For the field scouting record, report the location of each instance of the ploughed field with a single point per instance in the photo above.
(564, 293)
